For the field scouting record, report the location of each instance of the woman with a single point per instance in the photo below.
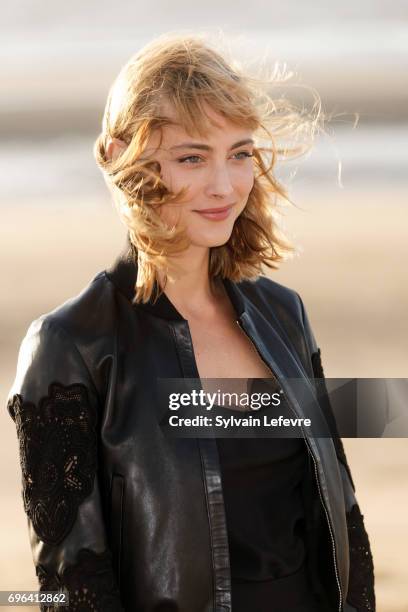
(121, 516)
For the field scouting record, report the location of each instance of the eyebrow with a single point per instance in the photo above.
(204, 147)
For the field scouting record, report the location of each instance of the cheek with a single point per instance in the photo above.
(176, 178)
(246, 180)
(243, 188)
(172, 214)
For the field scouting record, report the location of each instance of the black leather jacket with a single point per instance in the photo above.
(126, 518)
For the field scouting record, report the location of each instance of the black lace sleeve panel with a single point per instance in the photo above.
(361, 593)
(54, 404)
(89, 583)
(57, 455)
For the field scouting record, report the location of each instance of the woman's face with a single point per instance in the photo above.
(217, 171)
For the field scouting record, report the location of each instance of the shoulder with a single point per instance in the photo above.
(81, 328)
(68, 343)
(91, 309)
(269, 295)
(283, 308)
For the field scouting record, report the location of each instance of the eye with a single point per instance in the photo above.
(245, 154)
(190, 157)
(195, 159)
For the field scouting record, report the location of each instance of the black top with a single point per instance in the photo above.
(263, 491)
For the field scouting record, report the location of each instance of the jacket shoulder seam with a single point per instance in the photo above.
(57, 327)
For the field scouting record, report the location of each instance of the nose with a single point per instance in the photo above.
(219, 183)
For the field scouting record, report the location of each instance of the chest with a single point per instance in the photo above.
(223, 350)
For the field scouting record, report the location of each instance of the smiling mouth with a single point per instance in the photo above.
(215, 210)
(216, 214)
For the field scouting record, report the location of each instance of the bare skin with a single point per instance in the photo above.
(218, 177)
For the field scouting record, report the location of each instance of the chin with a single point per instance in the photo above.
(213, 240)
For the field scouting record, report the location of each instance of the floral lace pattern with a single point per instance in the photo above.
(361, 593)
(361, 588)
(90, 584)
(57, 455)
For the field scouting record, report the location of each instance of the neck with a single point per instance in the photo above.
(188, 285)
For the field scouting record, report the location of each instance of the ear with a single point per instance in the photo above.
(114, 148)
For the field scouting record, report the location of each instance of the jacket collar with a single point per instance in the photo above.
(123, 274)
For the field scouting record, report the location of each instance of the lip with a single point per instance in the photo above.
(215, 214)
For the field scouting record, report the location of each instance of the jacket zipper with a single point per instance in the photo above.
(259, 352)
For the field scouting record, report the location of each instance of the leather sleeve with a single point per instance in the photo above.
(361, 593)
(55, 407)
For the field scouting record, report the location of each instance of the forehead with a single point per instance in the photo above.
(219, 130)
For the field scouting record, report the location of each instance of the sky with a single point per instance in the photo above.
(59, 60)
(62, 57)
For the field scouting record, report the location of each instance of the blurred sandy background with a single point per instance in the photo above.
(59, 228)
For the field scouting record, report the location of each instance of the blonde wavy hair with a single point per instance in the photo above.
(189, 72)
